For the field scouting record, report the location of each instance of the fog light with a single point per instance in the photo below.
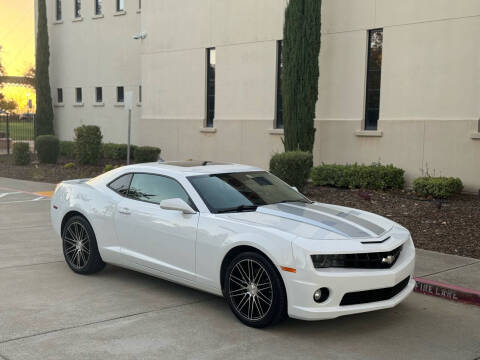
(321, 295)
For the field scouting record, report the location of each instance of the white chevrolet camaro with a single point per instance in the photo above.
(239, 232)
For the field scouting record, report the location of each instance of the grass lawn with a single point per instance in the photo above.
(19, 130)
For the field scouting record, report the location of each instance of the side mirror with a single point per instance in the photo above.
(177, 205)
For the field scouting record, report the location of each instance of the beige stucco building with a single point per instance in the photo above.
(427, 76)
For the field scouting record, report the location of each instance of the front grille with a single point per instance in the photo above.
(368, 296)
(376, 260)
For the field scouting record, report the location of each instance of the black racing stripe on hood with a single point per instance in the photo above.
(350, 216)
(342, 226)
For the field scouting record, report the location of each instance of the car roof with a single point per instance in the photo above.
(194, 167)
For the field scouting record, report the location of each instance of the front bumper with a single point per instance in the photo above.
(300, 287)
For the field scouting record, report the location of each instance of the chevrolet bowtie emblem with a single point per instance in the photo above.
(388, 260)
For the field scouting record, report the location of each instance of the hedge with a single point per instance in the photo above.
(113, 151)
(21, 153)
(374, 177)
(293, 167)
(143, 154)
(67, 149)
(88, 140)
(437, 187)
(48, 148)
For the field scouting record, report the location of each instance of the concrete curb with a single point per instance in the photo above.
(447, 291)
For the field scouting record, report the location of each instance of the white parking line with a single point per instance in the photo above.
(22, 201)
(10, 193)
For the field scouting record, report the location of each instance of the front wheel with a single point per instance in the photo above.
(80, 246)
(254, 290)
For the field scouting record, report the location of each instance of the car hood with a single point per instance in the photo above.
(318, 221)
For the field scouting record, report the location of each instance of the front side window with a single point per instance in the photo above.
(78, 8)
(60, 96)
(99, 94)
(121, 185)
(374, 75)
(234, 192)
(211, 62)
(120, 5)
(58, 10)
(78, 95)
(155, 188)
(120, 94)
(98, 7)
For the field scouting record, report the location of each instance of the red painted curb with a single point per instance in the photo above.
(447, 291)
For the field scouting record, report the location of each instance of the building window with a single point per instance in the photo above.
(140, 94)
(58, 10)
(139, 4)
(60, 96)
(211, 60)
(99, 94)
(120, 5)
(78, 95)
(98, 7)
(374, 75)
(279, 103)
(78, 8)
(120, 94)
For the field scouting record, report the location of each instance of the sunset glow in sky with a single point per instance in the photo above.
(18, 44)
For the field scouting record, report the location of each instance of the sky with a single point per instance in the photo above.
(18, 44)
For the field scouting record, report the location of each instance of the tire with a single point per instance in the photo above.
(254, 290)
(80, 247)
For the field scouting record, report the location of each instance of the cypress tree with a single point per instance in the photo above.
(44, 116)
(301, 49)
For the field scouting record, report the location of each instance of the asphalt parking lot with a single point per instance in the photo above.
(48, 312)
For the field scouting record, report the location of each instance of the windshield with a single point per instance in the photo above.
(235, 192)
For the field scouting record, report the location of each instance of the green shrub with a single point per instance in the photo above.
(69, 165)
(67, 149)
(143, 154)
(88, 140)
(108, 168)
(48, 148)
(374, 177)
(437, 187)
(293, 167)
(113, 151)
(21, 153)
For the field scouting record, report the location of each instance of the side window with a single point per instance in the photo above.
(155, 188)
(121, 185)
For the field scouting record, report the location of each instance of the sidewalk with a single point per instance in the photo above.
(452, 277)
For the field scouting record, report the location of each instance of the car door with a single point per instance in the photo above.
(159, 239)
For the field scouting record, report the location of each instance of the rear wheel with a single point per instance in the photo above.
(254, 290)
(80, 246)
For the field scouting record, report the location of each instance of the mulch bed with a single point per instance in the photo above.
(51, 173)
(450, 226)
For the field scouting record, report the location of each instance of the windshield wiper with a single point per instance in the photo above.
(238, 209)
(292, 201)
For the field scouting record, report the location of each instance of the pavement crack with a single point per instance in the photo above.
(103, 321)
(454, 268)
(27, 265)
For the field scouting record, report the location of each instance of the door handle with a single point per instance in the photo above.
(124, 211)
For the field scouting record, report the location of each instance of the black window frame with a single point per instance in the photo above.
(98, 7)
(210, 87)
(192, 203)
(58, 10)
(78, 95)
(118, 7)
(77, 9)
(373, 84)
(139, 4)
(59, 96)
(98, 91)
(140, 94)
(120, 94)
(278, 90)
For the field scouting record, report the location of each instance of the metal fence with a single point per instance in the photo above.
(16, 128)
